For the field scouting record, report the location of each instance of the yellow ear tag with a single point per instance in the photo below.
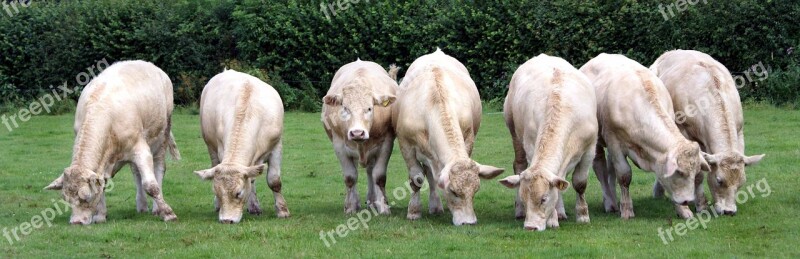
(385, 103)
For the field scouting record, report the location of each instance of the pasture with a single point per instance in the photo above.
(34, 154)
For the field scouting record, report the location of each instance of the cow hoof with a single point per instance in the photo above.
(562, 216)
(283, 214)
(627, 214)
(685, 214)
(98, 218)
(583, 219)
(436, 210)
(414, 216)
(254, 211)
(170, 217)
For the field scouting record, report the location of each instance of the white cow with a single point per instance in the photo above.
(708, 110)
(551, 113)
(242, 123)
(357, 119)
(436, 117)
(123, 116)
(636, 120)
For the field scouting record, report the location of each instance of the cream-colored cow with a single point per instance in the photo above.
(708, 110)
(551, 113)
(357, 118)
(636, 120)
(242, 124)
(123, 116)
(436, 118)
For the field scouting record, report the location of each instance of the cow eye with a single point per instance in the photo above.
(453, 193)
(240, 194)
(544, 199)
(369, 109)
(720, 181)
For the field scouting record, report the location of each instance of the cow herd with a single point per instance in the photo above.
(561, 120)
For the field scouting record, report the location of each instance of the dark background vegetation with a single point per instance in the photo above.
(295, 48)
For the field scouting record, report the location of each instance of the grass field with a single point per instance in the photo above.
(35, 153)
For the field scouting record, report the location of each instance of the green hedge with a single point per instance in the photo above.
(293, 46)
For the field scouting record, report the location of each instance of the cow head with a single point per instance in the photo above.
(459, 182)
(726, 177)
(83, 190)
(232, 186)
(539, 192)
(683, 163)
(356, 104)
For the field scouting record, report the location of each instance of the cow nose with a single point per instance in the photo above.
(226, 221)
(77, 222)
(685, 203)
(532, 228)
(357, 134)
(730, 212)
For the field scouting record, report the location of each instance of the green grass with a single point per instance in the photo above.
(35, 154)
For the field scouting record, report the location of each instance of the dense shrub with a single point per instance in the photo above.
(296, 48)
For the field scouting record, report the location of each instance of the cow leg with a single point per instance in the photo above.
(562, 214)
(579, 181)
(101, 211)
(434, 202)
(274, 181)
(658, 190)
(700, 201)
(622, 171)
(520, 164)
(144, 162)
(350, 173)
(214, 155)
(415, 171)
(377, 173)
(253, 206)
(552, 220)
(141, 196)
(602, 169)
(370, 186)
(159, 168)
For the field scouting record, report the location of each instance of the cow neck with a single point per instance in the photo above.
(553, 138)
(239, 144)
(716, 125)
(730, 142)
(92, 141)
(445, 133)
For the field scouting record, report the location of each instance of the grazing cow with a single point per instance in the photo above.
(637, 122)
(551, 113)
(123, 116)
(708, 110)
(242, 123)
(357, 119)
(436, 117)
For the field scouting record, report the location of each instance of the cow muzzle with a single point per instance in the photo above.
(359, 135)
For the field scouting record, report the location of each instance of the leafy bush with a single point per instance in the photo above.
(297, 49)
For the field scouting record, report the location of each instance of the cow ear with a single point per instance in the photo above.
(57, 184)
(383, 100)
(753, 160)
(559, 183)
(511, 181)
(207, 174)
(254, 171)
(332, 99)
(489, 172)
